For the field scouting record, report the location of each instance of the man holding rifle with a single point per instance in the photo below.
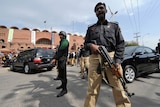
(107, 34)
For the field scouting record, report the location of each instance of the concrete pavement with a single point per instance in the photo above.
(39, 90)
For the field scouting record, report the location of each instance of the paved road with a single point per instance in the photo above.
(38, 90)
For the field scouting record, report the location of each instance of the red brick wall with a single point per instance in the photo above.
(41, 35)
(21, 36)
(78, 40)
(56, 39)
(4, 37)
(4, 34)
(22, 39)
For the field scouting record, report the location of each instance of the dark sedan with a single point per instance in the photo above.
(33, 60)
(139, 60)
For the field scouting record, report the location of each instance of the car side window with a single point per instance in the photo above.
(139, 50)
(147, 50)
(28, 54)
(20, 56)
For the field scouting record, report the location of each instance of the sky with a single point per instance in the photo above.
(139, 20)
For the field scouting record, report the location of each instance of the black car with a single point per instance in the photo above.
(139, 60)
(33, 60)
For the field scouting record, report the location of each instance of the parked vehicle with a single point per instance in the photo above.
(32, 60)
(139, 60)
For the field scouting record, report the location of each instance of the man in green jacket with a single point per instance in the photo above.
(61, 57)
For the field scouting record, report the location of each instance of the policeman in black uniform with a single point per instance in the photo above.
(109, 35)
(61, 56)
(84, 60)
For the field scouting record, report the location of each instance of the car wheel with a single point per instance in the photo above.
(129, 73)
(27, 69)
(12, 67)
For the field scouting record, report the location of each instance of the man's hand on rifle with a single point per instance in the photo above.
(53, 61)
(94, 49)
(118, 66)
(116, 70)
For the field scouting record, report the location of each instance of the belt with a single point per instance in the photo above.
(85, 55)
(109, 49)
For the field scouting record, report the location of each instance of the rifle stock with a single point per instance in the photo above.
(106, 58)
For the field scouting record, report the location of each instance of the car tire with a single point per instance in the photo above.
(27, 69)
(129, 73)
(12, 67)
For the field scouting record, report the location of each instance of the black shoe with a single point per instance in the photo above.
(59, 87)
(56, 78)
(82, 77)
(62, 93)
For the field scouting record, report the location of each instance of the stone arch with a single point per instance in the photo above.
(45, 31)
(3, 27)
(35, 29)
(69, 33)
(54, 32)
(25, 28)
(14, 27)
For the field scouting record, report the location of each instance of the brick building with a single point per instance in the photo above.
(16, 39)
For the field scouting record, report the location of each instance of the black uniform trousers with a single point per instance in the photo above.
(62, 71)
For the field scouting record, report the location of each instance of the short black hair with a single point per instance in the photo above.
(99, 3)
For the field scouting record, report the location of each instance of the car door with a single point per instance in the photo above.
(19, 61)
(140, 59)
(153, 59)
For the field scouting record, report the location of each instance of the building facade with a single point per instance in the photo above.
(16, 39)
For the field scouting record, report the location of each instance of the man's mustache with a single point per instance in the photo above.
(101, 15)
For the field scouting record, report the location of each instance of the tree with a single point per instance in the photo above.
(131, 43)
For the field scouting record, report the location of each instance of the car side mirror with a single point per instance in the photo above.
(156, 52)
(138, 53)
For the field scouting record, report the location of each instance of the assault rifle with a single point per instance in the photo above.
(106, 58)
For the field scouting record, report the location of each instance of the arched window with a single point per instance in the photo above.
(44, 41)
(3, 46)
(1, 41)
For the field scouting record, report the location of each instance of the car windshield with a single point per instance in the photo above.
(45, 52)
(129, 50)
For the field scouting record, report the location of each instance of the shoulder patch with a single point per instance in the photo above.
(92, 27)
(115, 23)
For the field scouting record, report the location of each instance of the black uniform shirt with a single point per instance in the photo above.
(109, 35)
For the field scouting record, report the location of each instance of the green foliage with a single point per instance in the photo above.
(131, 43)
